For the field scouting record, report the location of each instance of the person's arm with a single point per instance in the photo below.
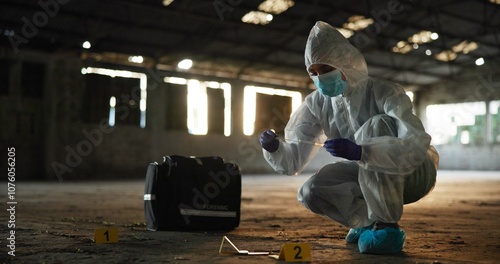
(401, 154)
(303, 138)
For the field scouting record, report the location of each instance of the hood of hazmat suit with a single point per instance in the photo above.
(345, 116)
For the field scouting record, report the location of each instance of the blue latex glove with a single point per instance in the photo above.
(269, 140)
(344, 148)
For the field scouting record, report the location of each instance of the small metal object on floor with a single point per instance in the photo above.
(238, 251)
(290, 252)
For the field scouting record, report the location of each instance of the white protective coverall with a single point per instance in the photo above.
(397, 165)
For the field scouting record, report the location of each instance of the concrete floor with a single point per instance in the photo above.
(456, 223)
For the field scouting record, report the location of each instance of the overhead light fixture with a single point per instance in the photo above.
(267, 8)
(185, 64)
(415, 41)
(257, 17)
(276, 6)
(136, 59)
(423, 36)
(428, 52)
(465, 47)
(480, 61)
(495, 2)
(446, 55)
(356, 23)
(86, 45)
(402, 47)
(353, 24)
(167, 2)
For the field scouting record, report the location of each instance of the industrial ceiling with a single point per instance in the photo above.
(415, 43)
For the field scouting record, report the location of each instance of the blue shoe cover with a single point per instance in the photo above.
(383, 241)
(354, 233)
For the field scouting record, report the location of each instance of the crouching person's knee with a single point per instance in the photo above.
(306, 196)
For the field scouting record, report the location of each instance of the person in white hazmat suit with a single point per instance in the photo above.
(388, 160)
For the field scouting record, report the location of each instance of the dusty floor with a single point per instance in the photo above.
(457, 223)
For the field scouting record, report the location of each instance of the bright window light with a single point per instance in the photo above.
(185, 64)
(443, 120)
(495, 108)
(250, 104)
(112, 106)
(249, 109)
(214, 85)
(494, 133)
(465, 137)
(198, 104)
(276, 6)
(197, 108)
(411, 95)
(226, 87)
(175, 80)
(143, 83)
(257, 17)
(142, 107)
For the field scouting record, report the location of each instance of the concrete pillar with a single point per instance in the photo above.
(15, 79)
(63, 106)
(156, 113)
(237, 102)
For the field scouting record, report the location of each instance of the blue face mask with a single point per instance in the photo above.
(330, 83)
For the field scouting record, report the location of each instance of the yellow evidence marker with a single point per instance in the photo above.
(294, 252)
(106, 235)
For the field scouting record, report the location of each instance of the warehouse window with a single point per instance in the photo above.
(463, 123)
(266, 108)
(495, 121)
(207, 104)
(197, 108)
(121, 94)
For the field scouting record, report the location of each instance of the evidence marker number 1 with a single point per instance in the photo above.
(106, 235)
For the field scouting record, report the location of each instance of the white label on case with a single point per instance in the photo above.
(209, 213)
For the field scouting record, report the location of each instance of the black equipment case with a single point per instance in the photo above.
(189, 193)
